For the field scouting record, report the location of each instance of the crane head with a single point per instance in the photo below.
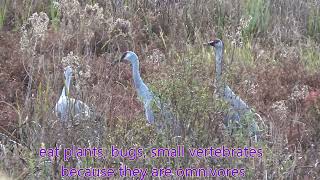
(68, 71)
(128, 56)
(217, 43)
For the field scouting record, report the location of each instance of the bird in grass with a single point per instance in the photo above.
(145, 95)
(148, 98)
(67, 107)
(238, 108)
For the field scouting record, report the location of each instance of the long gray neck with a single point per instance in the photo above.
(136, 73)
(219, 65)
(65, 89)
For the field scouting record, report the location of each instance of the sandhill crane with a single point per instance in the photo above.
(147, 97)
(66, 106)
(238, 107)
(143, 91)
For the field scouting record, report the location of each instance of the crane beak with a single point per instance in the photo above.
(122, 59)
(115, 62)
(208, 43)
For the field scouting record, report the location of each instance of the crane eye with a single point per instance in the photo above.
(216, 41)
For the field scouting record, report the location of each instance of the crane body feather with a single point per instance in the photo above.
(67, 107)
(146, 95)
(238, 108)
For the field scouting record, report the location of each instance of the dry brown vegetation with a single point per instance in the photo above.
(272, 54)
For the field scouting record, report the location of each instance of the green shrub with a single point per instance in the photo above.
(54, 15)
(258, 11)
(313, 24)
(3, 10)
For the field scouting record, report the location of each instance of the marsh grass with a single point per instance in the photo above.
(54, 15)
(313, 23)
(311, 57)
(259, 13)
(3, 11)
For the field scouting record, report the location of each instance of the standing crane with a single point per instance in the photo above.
(146, 96)
(66, 106)
(143, 91)
(238, 108)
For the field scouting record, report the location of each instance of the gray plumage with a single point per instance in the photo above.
(238, 108)
(67, 107)
(146, 96)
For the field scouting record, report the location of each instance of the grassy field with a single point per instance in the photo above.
(272, 61)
